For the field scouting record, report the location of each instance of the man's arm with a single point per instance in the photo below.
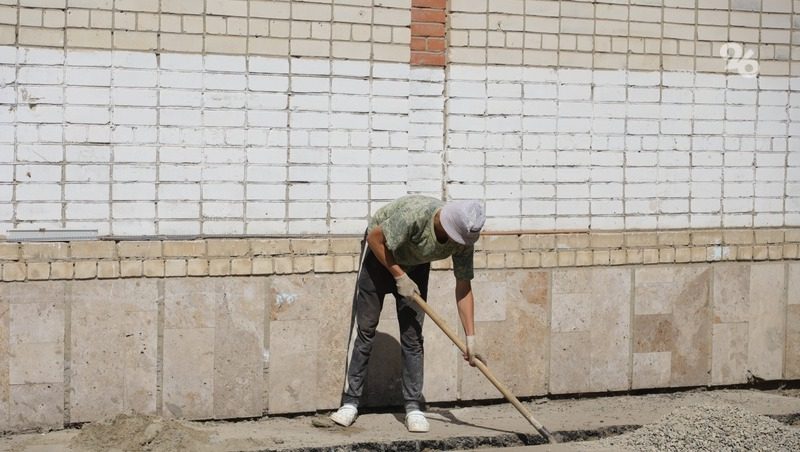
(377, 243)
(466, 305)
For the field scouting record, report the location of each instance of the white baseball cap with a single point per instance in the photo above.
(463, 220)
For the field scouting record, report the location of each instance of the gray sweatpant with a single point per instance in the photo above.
(373, 284)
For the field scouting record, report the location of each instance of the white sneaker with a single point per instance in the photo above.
(345, 415)
(416, 422)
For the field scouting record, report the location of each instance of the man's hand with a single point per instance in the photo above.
(406, 287)
(472, 352)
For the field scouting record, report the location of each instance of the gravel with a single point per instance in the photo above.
(709, 428)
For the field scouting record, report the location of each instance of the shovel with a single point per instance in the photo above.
(485, 370)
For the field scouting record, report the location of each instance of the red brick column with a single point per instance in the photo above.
(428, 44)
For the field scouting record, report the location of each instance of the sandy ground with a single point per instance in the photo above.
(501, 420)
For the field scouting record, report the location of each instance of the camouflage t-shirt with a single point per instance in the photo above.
(407, 225)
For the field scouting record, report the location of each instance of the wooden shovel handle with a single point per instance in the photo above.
(485, 370)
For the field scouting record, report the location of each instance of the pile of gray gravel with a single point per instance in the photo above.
(710, 428)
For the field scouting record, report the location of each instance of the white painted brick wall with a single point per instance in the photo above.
(135, 144)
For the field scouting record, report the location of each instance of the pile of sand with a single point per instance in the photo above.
(709, 428)
(140, 433)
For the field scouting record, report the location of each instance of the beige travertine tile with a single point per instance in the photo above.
(680, 295)
(570, 362)
(36, 406)
(239, 348)
(792, 366)
(729, 353)
(794, 283)
(766, 321)
(597, 302)
(188, 388)
(651, 370)
(4, 382)
(114, 338)
(525, 298)
(293, 372)
(731, 298)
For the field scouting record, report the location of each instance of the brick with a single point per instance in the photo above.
(676, 238)
(175, 268)
(495, 260)
(130, 268)
(427, 59)
(62, 270)
(706, 237)
(601, 257)
(538, 242)
(428, 15)
(440, 4)
(38, 271)
(303, 264)
(426, 29)
(282, 265)
(219, 267)
(226, 44)
(323, 264)
(769, 236)
(345, 246)
(143, 40)
(9, 251)
(531, 259)
(790, 251)
(738, 237)
(566, 258)
(227, 247)
(683, 255)
(792, 235)
(241, 266)
(94, 249)
(262, 266)
(309, 246)
(633, 256)
(141, 249)
(85, 270)
(699, 254)
(153, 268)
(343, 264)
(391, 52)
(181, 248)
(641, 239)
(269, 247)
(775, 252)
(500, 243)
(479, 260)
(435, 44)
(650, 256)
(92, 38)
(181, 42)
(760, 252)
(108, 269)
(572, 241)
(744, 253)
(137, 5)
(514, 260)
(8, 34)
(606, 240)
(419, 44)
(41, 37)
(197, 267)
(666, 255)
(618, 257)
(45, 251)
(184, 6)
(310, 11)
(549, 259)
(583, 258)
